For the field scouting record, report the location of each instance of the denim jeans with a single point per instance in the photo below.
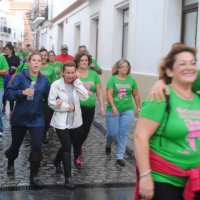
(1, 99)
(118, 127)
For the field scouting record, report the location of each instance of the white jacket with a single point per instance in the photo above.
(60, 114)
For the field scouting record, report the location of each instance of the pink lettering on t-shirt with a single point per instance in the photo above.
(194, 132)
(121, 93)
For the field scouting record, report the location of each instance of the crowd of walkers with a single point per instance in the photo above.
(45, 89)
(61, 91)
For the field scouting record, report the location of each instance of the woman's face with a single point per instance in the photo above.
(52, 57)
(7, 51)
(35, 64)
(69, 74)
(44, 56)
(123, 68)
(184, 70)
(83, 63)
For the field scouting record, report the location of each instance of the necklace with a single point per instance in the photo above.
(184, 96)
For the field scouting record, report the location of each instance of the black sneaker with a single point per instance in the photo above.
(108, 151)
(121, 162)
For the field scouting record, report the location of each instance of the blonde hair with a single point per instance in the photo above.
(119, 64)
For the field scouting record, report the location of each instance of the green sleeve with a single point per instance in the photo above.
(3, 63)
(94, 62)
(19, 68)
(134, 85)
(153, 110)
(196, 84)
(110, 83)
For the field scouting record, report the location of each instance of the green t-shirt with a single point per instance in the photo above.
(90, 83)
(181, 135)
(33, 78)
(122, 93)
(22, 67)
(196, 84)
(57, 66)
(49, 73)
(24, 53)
(3, 65)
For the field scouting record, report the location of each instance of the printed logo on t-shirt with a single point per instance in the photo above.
(122, 89)
(190, 118)
(87, 86)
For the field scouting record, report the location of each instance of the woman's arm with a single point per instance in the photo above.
(53, 103)
(136, 97)
(14, 93)
(109, 93)
(145, 129)
(100, 98)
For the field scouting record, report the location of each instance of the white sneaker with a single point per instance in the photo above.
(1, 134)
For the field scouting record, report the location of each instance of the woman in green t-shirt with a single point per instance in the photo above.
(56, 65)
(120, 89)
(167, 141)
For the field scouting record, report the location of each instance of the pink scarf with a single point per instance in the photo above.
(160, 165)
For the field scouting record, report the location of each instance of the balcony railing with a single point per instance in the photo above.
(5, 29)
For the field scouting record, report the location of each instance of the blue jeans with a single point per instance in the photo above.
(118, 127)
(1, 99)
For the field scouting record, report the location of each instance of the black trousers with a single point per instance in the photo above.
(18, 133)
(165, 191)
(69, 137)
(48, 113)
(87, 116)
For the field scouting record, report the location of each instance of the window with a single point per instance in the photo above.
(189, 21)
(189, 2)
(125, 33)
(77, 35)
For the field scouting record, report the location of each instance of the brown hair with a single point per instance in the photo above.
(79, 56)
(168, 61)
(118, 64)
(68, 64)
(34, 54)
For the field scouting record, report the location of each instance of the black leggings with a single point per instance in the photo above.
(18, 133)
(87, 116)
(165, 191)
(68, 137)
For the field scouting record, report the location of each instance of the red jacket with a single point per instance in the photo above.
(160, 165)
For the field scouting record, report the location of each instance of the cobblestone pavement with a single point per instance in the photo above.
(96, 167)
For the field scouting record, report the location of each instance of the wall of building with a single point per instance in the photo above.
(153, 27)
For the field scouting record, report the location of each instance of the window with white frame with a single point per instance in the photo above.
(189, 22)
(125, 33)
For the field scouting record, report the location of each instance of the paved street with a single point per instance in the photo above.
(99, 173)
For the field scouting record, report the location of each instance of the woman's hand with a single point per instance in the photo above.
(158, 90)
(77, 75)
(146, 187)
(71, 108)
(102, 112)
(59, 103)
(114, 111)
(28, 92)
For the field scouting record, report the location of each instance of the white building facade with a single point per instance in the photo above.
(11, 25)
(138, 30)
